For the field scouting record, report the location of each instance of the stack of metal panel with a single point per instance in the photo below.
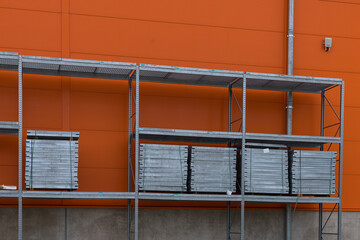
(266, 171)
(163, 167)
(213, 169)
(52, 160)
(313, 172)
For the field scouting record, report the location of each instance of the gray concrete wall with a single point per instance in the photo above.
(167, 224)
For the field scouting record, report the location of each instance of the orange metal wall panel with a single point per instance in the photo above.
(42, 109)
(30, 29)
(8, 174)
(8, 146)
(49, 6)
(113, 36)
(102, 179)
(98, 111)
(8, 104)
(259, 15)
(338, 18)
(103, 149)
(235, 35)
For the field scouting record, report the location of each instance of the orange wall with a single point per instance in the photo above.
(234, 34)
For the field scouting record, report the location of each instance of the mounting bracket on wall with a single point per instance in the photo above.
(327, 44)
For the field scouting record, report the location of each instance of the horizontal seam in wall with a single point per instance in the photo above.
(32, 49)
(324, 70)
(98, 130)
(336, 1)
(31, 10)
(176, 23)
(145, 20)
(104, 168)
(9, 165)
(177, 60)
(328, 35)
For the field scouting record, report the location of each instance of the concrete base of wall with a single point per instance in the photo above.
(167, 224)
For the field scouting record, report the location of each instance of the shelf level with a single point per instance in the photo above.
(190, 76)
(9, 194)
(171, 197)
(67, 67)
(236, 198)
(79, 195)
(9, 128)
(178, 135)
(164, 74)
(223, 78)
(9, 61)
(278, 82)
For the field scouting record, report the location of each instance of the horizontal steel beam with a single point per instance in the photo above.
(79, 195)
(179, 135)
(169, 197)
(9, 128)
(8, 194)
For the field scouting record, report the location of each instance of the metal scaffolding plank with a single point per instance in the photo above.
(51, 161)
(163, 167)
(266, 171)
(313, 172)
(213, 169)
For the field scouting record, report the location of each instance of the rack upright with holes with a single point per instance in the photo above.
(191, 76)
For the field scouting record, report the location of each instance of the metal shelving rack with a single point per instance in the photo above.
(191, 76)
(244, 81)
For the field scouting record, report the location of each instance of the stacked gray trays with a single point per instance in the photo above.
(313, 172)
(52, 160)
(213, 169)
(266, 171)
(163, 167)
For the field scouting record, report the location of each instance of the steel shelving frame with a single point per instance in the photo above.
(191, 76)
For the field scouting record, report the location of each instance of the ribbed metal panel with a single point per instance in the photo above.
(313, 172)
(52, 163)
(266, 171)
(213, 169)
(56, 135)
(163, 167)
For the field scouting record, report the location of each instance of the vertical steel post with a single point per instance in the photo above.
(242, 228)
(290, 36)
(129, 156)
(136, 215)
(229, 129)
(322, 123)
(322, 133)
(320, 220)
(289, 98)
(342, 92)
(20, 102)
(288, 221)
(230, 108)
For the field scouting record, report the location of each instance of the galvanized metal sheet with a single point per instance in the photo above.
(163, 167)
(213, 169)
(51, 160)
(266, 171)
(313, 172)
